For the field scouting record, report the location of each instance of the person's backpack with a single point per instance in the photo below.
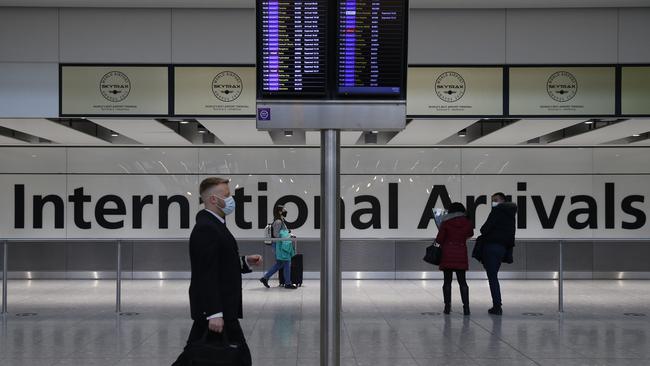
(268, 234)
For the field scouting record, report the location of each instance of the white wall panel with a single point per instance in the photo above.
(634, 33)
(29, 35)
(139, 160)
(457, 36)
(400, 161)
(616, 160)
(225, 36)
(37, 160)
(526, 161)
(29, 90)
(116, 35)
(546, 36)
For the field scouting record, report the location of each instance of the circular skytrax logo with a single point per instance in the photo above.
(115, 86)
(562, 86)
(450, 86)
(227, 86)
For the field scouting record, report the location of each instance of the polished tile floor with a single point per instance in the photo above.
(386, 323)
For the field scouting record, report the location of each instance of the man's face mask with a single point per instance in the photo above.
(494, 204)
(229, 205)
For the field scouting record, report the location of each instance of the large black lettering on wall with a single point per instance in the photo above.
(438, 192)
(163, 211)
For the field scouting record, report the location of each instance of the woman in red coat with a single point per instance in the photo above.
(453, 233)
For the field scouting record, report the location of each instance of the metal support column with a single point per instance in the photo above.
(561, 280)
(5, 276)
(330, 272)
(118, 279)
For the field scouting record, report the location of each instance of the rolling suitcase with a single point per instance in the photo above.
(296, 270)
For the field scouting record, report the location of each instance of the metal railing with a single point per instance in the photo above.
(118, 258)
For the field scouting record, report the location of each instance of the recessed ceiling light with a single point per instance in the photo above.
(114, 134)
(636, 135)
(462, 133)
(201, 131)
(589, 122)
(288, 133)
(185, 122)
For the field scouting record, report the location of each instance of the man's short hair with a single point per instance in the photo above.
(500, 195)
(208, 183)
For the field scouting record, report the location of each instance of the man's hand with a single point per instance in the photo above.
(216, 325)
(254, 260)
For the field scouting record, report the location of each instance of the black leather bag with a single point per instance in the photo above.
(214, 349)
(477, 252)
(433, 254)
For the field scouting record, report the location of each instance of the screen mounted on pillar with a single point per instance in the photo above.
(292, 49)
(371, 49)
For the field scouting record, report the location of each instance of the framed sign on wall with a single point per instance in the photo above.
(114, 90)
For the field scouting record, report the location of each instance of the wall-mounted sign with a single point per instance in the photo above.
(114, 90)
(562, 91)
(214, 91)
(444, 91)
(635, 90)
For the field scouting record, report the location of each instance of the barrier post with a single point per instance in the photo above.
(5, 276)
(561, 280)
(118, 279)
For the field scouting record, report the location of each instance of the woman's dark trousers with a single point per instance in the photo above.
(462, 282)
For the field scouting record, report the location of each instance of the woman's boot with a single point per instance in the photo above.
(464, 294)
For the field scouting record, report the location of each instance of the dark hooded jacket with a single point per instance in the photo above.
(452, 237)
(499, 228)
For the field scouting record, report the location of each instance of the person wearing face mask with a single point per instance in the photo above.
(283, 250)
(216, 284)
(497, 241)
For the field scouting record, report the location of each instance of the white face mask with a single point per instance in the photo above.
(495, 204)
(230, 205)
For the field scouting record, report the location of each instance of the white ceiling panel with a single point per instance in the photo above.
(144, 131)
(523, 130)
(347, 137)
(645, 142)
(414, 4)
(237, 132)
(429, 131)
(4, 140)
(52, 131)
(610, 133)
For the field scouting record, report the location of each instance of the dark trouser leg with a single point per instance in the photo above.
(197, 331)
(492, 257)
(236, 334)
(464, 289)
(446, 286)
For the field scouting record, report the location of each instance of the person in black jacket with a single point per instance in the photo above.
(216, 283)
(497, 241)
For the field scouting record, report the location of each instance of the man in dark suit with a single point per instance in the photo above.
(498, 240)
(216, 284)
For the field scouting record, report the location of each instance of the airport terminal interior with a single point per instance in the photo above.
(360, 126)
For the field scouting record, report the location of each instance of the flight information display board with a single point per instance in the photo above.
(372, 48)
(292, 48)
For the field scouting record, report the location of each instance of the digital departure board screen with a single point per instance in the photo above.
(372, 48)
(292, 48)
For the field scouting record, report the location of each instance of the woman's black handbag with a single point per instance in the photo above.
(214, 349)
(434, 254)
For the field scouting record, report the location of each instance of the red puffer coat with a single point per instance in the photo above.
(452, 237)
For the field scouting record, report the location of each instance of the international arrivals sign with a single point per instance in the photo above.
(105, 206)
